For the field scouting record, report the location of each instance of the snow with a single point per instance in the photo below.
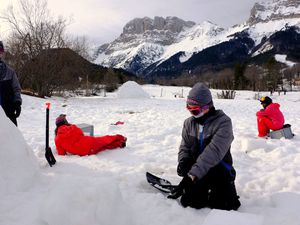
(131, 89)
(110, 187)
(148, 47)
(82, 200)
(233, 217)
(195, 39)
(14, 164)
(282, 59)
(190, 40)
(278, 7)
(266, 29)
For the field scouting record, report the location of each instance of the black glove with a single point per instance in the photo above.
(184, 184)
(184, 166)
(17, 109)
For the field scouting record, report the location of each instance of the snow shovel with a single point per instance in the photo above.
(48, 152)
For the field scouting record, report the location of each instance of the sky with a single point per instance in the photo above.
(110, 188)
(101, 21)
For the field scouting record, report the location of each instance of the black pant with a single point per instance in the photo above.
(10, 114)
(215, 190)
(13, 119)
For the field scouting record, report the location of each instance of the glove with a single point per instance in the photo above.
(184, 184)
(184, 166)
(17, 109)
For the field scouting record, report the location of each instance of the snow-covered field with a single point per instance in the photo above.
(110, 188)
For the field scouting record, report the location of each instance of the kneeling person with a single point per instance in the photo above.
(269, 118)
(204, 158)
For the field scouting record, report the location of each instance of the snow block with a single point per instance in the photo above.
(217, 217)
(285, 132)
(86, 128)
(18, 164)
(79, 200)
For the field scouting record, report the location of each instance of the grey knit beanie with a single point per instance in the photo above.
(200, 95)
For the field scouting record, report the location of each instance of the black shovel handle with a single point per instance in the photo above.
(48, 152)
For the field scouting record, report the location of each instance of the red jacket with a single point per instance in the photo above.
(273, 112)
(70, 138)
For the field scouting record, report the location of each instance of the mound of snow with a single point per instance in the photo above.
(18, 166)
(131, 89)
(85, 200)
(232, 218)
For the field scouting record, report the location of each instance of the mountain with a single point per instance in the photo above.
(210, 58)
(274, 10)
(142, 42)
(169, 47)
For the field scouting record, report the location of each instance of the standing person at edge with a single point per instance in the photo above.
(70, 139)
(204, 158)
(10, 90)
(269, 118)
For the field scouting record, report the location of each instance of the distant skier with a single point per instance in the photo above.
(10, 90)
(204, 158)
(269, 118)
(70, 139)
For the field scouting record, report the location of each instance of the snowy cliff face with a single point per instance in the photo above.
(146, 41)
(147, 44)
(270, 17)
(274, 10)
(142, 42)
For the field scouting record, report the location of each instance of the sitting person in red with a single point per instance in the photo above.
(70, 139)
(269, 118)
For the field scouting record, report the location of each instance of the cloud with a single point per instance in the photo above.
(103, 20)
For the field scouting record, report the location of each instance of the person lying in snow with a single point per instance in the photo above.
(269, 118)
(70, 139)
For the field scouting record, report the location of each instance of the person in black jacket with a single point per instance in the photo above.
(10, 90)
(204, 158)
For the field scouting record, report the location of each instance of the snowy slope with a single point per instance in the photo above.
(197, 38)
(122, 58)
(110, 188)
(265, 29)
(191, 40)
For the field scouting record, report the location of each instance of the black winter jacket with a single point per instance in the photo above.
(10, 90)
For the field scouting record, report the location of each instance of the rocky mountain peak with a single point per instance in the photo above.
(162, 31)
(274, 10)
(142, 25)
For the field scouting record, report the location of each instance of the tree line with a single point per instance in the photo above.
(45, 57)
(268, 75)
